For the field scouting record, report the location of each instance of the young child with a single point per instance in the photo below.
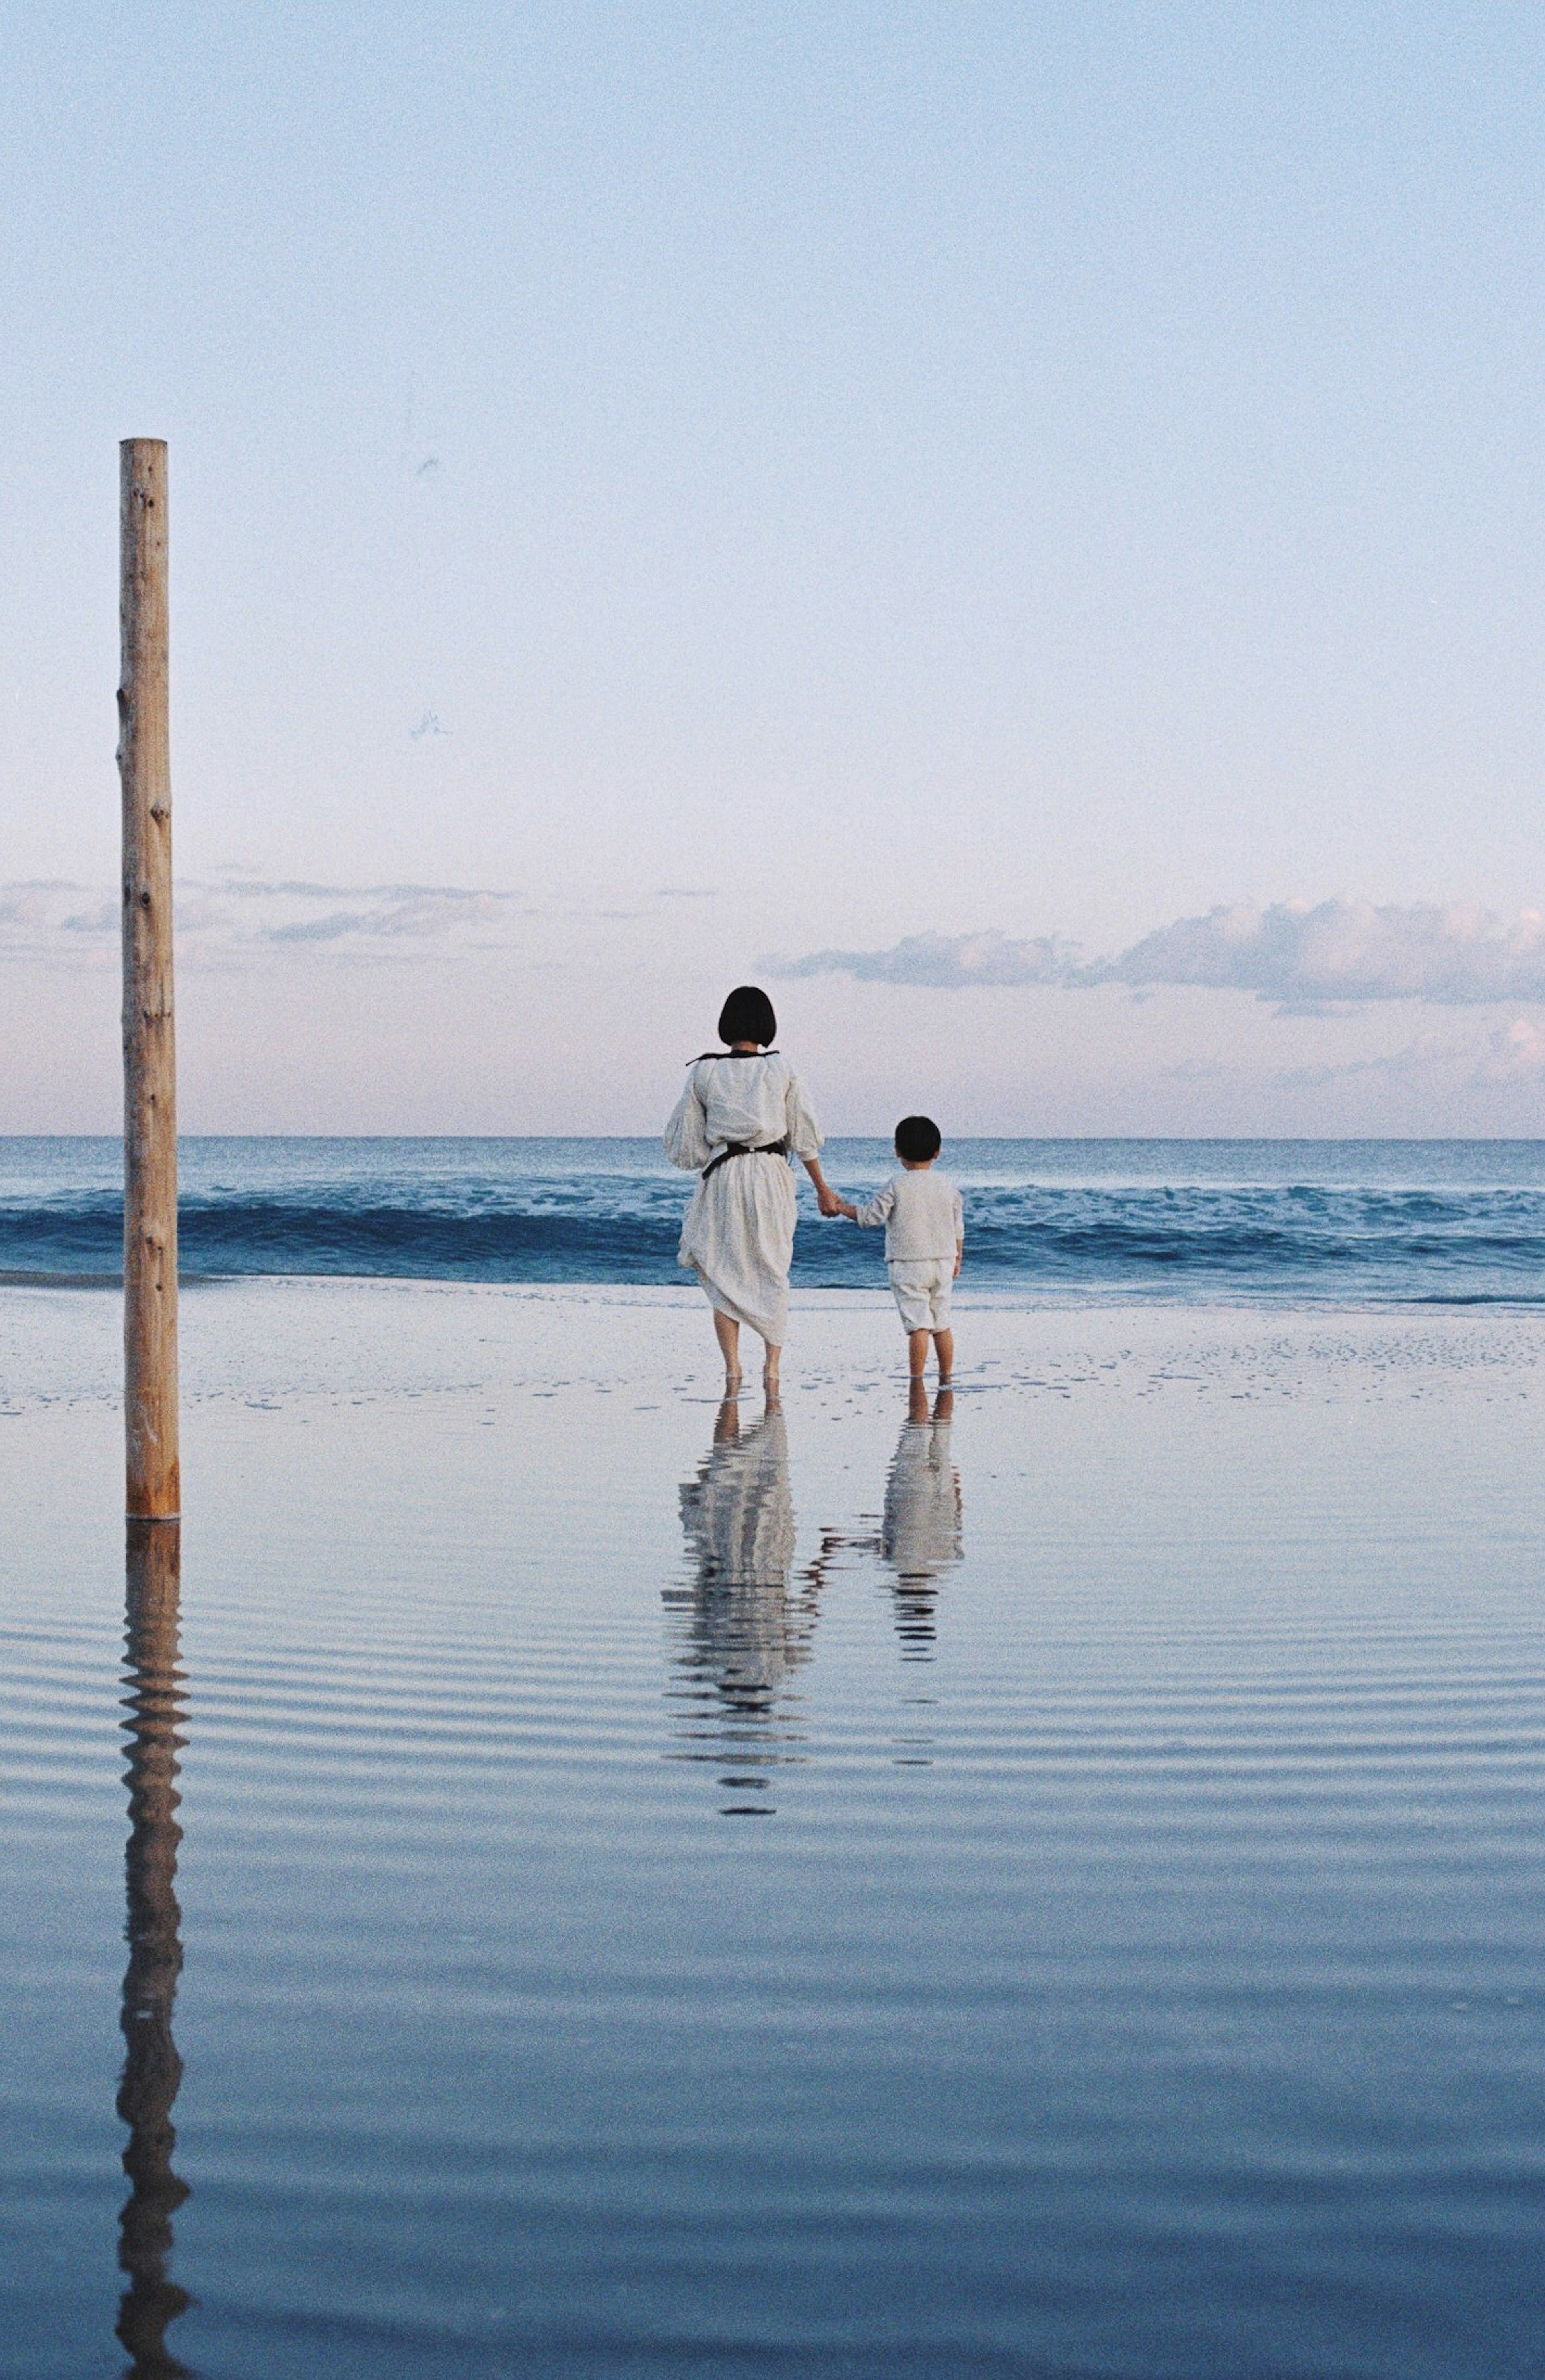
(925, 1239)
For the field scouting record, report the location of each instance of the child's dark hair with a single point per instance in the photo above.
(917, 1139)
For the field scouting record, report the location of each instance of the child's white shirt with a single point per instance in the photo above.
(923, 1217)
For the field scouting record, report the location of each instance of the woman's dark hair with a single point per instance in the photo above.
(748, 1016)
(917, 1139)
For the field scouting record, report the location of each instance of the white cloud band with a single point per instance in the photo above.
(1293, 953)
(235, 917)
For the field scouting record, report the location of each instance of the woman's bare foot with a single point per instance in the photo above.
(769, 1374)
(732, 1384)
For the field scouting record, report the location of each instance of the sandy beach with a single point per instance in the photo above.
(1145, 1775)
(277, 1337)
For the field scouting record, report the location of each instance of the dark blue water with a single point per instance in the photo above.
(1317, 1221)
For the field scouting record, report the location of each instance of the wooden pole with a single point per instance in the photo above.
(150, 1047)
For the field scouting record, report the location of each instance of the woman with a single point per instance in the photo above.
(742, 1116)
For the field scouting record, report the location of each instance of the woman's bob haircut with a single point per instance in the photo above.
(748, 1016)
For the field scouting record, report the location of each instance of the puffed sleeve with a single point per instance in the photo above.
(804, 1133)
(686, 1133)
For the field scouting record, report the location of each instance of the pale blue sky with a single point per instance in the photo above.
(886, 471)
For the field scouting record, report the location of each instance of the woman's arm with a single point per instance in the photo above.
(804, 1139)
(826, 1197)
(686, 1133)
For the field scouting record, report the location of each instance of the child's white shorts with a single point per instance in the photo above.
(922, 1292)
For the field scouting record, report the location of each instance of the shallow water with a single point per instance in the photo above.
(1052, 1889)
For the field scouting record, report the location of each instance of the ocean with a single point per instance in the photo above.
(1319, 1223)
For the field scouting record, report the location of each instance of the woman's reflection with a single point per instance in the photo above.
(920, 1528)
(745, 1630)
(153, 2070)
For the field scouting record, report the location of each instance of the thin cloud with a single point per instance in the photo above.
(946, 962)
(1429, 1056)
(247, 888)
(1506, 1057)
(1302, 958)
(1514, 1054)
(322, 929)
(38, 903)
(226, 921)
(102, 920)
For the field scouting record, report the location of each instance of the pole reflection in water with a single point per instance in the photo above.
(153, 2070)
(921, 1528)
(743, 1632)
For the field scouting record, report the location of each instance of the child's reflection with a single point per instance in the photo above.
(920, 1528)
(744, 1630)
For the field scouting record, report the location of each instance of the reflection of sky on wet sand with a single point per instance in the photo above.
(153, 2070)
(742, 1630)
(512, 2054)
(744, 1626)
(920, 1528)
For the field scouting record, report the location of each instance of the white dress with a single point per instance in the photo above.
(738, 1234)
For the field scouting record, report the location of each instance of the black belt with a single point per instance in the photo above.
(744, 1148)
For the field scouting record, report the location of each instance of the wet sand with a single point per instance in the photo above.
(1051, 1887)
(260, 1339)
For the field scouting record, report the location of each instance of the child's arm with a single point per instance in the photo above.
(873, 1217)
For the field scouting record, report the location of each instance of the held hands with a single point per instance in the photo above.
(826, 1197)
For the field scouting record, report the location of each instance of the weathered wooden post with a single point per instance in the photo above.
(150, 1045)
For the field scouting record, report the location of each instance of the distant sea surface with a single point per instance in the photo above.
(1194, 1222)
